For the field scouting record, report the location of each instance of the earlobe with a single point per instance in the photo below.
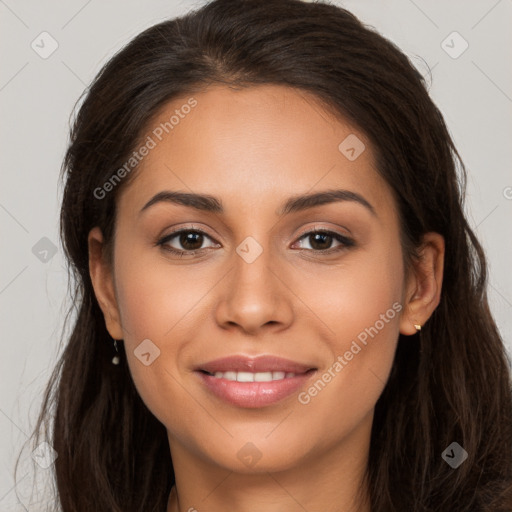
(425, 284)
(103, 283)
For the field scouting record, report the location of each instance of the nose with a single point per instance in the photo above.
(254, 295)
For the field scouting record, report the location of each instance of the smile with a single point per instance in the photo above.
(253, 377)
(253, 382)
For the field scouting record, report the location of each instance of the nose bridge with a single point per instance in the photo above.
(253, 275)
(254, 295)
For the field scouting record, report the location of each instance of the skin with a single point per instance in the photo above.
(254, 148)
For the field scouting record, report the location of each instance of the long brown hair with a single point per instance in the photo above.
(450, 383)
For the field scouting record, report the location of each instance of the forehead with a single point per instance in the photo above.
(252, 147)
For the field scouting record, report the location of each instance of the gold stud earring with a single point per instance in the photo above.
(418, 327)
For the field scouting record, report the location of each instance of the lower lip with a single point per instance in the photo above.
(254, 394)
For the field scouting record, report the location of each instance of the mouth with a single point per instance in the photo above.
(252, 377)
(254, 382)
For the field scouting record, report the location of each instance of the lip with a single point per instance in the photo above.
(254, 394)
(254, 364)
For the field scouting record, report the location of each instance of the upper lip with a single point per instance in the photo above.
(242, 363)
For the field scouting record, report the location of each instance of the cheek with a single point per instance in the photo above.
(155, 312)
(362, 310)
(155, 297)
(355, 295)
(158, 304)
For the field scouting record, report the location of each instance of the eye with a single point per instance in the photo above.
(190, 241)
(320, 241)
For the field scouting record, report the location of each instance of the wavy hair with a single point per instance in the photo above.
(449, 383)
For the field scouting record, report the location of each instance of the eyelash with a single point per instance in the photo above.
(345, 241)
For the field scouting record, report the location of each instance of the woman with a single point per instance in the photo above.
(280, 303)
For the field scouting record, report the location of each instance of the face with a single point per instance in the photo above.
(313, 317)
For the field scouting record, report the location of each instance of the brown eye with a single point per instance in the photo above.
(185, 241)
(322, 240)
(190, 240)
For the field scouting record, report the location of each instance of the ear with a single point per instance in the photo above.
(423, 291)
(103, 283)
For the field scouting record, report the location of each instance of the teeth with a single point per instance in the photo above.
(245, 377)
(253, 377)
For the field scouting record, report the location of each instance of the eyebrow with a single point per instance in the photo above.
(208, 203)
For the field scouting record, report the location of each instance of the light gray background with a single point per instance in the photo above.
(37, 96)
